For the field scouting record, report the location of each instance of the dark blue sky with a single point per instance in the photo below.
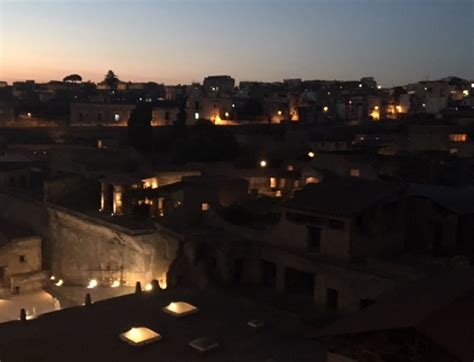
(171, 41)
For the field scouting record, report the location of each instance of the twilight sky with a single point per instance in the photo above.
(172, 41)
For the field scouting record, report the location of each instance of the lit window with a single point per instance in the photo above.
(180, 309)
(205, 206)
(273, 182)
(465, 93)
(278, 193)
(290, 168)
(140, 336)
(116, 117)
(196, 115)
(355, 172)
(458, 137)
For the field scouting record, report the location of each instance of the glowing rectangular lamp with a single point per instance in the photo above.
(180, 309)
(139, 336)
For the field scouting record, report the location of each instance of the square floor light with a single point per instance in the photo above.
(140, 336)
(180, 309)
(204, 344)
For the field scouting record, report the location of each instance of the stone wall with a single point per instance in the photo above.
(84, 248)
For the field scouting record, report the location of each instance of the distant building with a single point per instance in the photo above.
(20, 260)
(219, 84)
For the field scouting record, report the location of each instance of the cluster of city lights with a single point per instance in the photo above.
(93, 283)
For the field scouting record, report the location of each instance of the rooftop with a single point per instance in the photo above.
(343, 196)
(92, 333)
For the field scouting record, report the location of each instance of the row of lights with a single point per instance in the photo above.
(93, 283)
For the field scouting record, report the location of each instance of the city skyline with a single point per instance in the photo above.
(396, 42)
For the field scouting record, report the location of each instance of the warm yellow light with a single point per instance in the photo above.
(375, 115)
(376, 108)
(115, 284)
(311, 154)
(180, 309)
(163, 282)
(52, 277)
(204, 206)
(263, 163)
(59, 283)
(139, 336)
(92, 283)
(325, 108)
(227, 114)
(29, 115)
(148, 287)
(399, 109)
(280, 113)
(465, 93)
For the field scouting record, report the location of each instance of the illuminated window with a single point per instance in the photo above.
(273, 182)
(278, 193)
(282, 183)
(205, 206)
(196, 115)
(458, 137)
(290, 168)
(355, 172)
(453, 151)
(116, 117)
(296, 184)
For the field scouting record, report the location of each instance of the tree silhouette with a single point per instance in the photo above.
(74, 78)
(111, 80)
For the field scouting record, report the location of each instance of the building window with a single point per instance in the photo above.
(453, 151)
(314, 239)
(22, 258)
(204, 206)
(282, 183)
(458, 137)
(273, 182)
(290, 168)
(355, 172)
(296, 184)
(196, 115)
(278, 193)
(116, 117)
(99, 117)
(167, 116)
(336, 224)
(196, 105)
(80, 118)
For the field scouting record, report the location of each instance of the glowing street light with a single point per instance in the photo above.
(280, 113)
(325, 108)
(263, 163)
(115, 284)
(311, 154)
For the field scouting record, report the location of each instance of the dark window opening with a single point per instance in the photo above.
(331, 298)
(22, 259)
(314, 239)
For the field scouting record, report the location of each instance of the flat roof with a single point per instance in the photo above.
(92, 333)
